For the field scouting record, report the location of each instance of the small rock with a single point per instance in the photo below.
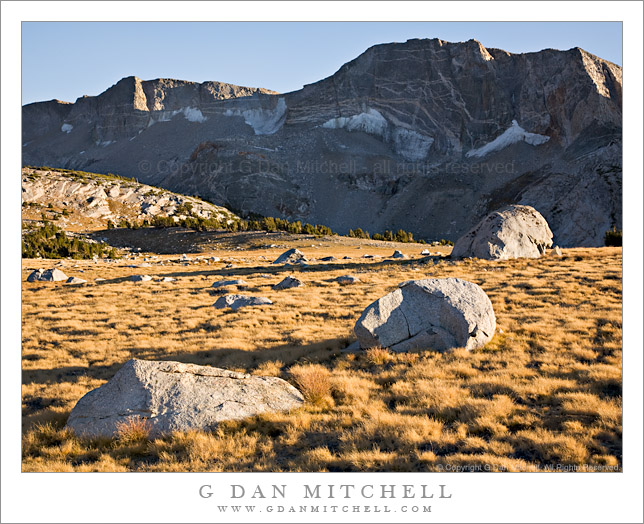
(75, 280)
(557, 251)
(288, 283)
(166, 279)
(229, 283)
(328, 259)
(425, 252)
(347, 279)
(291, 256)
(51, 275)
(398, 254)
(140, 278)
(235, 302)
(35, 275)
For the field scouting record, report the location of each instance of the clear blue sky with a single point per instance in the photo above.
(66, 60)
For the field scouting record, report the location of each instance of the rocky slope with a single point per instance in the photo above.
(428, 136)
(89, 201)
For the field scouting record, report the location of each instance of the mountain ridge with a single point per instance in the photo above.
(446, 109)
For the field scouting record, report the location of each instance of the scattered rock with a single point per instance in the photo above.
(557, 251)
(291, 256)
(368, 256)
(425, 252)
(347, 279)
(51, 275)
(288, 283)
(167, 279)
(352, 348)
(328, 259)
(511, 232)
(230, 283)
(35, 275)
(172, 396)
(398, 254)
(437, 314)
(346, 258)
(99, 279)
(140, 278)
(235, 302)
(75, 280)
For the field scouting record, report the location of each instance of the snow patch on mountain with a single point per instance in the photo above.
(408, 143)
(263, 121)
(371, 122)
(66, 128)
(510, 136)
(191, 114)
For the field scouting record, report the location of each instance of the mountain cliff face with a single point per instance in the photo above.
(428, 136)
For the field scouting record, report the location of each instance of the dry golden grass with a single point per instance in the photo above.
(546, 390)
(132, 430)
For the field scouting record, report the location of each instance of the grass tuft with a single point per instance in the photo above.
(133, 430)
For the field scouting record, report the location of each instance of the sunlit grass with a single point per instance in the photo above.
(546, 389)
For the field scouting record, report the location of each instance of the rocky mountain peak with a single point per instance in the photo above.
(439, 116)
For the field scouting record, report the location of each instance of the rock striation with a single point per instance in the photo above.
(172, 396)
(511, 232)
(450, 130)
(437, 313)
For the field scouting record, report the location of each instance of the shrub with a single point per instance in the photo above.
(613, 237)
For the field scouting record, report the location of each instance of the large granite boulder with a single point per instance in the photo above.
(172, 396)
(436, 313)
(511, 232)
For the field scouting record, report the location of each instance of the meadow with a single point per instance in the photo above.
(546, 391)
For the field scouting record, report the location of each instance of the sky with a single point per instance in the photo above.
(66, 60)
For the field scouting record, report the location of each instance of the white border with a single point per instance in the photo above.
(170, 497)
